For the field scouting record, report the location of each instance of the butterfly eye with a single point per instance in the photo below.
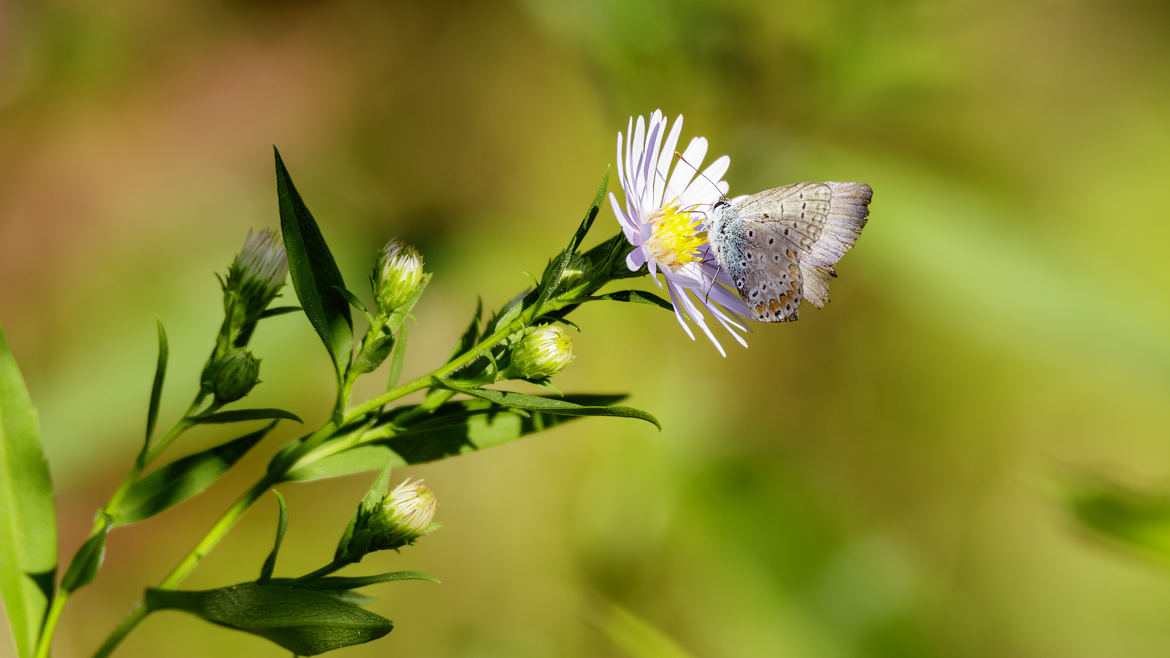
(722, 203)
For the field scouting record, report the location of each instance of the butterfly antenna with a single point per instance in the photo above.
(705, 177)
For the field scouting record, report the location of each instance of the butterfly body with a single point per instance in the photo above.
(779, 246)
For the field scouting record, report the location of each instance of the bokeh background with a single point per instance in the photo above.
(882, 478)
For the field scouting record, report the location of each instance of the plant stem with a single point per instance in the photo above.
(145, 456)
(54, 614)
(188, 564)
(309, 443)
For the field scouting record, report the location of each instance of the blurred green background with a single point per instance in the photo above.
(874, 480)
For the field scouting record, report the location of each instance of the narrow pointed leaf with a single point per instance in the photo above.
(182, 479)
(455, 428)
(397, 359)
(28, 534)
(281, 527)
(352, 582)
(280, 310)
(636, 296)
(237, 415)
(87, 561)
(314, 272)
(304, 621)
(553, 406)
(553, 273)
(160, 373)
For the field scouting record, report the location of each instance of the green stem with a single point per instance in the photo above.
(188, 564)
(141, 461)
(45, 641)
(324, 571)
(311, 445)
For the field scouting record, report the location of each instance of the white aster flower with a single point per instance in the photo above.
(664, 219)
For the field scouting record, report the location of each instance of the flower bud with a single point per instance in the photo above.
(232, 375)
(254, 279)
(403, 516)
(541, 353)
(396, 276)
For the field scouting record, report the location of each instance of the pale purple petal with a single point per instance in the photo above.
(665, 159)
(635, 259)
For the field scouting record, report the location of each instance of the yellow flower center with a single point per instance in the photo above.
(673, 239)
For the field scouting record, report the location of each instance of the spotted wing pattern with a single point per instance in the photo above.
(765, 267)
(788, 240)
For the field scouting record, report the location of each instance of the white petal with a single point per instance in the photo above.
(674, 295)
(664, 160)
(697, 316)
(686, 169)
(629, 225)
(650, 157)
(621, 163)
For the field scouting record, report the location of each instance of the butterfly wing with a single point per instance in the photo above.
(764, 265)
(822, 220)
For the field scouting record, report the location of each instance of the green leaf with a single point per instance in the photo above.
(636, 296)
(1132, 520)
(397, 359)
(179, 480)
(238, 415)
(343, 582)
(555, 406)
(279, 310)
(304, 621)
(356, 460)
(87, 560)
(455, 428)
(160, 373)
(281, 527)
(28, 533)
(553, 274)
(314, 273)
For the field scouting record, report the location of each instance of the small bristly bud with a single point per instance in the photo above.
(396, 276)
(541, 353)
(254, 279)
(232, 375)
(404, 515)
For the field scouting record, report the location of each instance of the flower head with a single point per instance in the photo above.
(404, 515)
(396, 276)
(663, 218)
(541, 353)
(258, 272)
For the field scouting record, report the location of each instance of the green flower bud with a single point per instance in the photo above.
(541, 353)
(232, 375)
(396, 276)
(253, 280)
(403, 516)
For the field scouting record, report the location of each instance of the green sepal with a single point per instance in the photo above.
(281, 526)
(88, 559)
(355, 541)
(315, 275)
(304, 621)
(160, 373)
(550, 405)
(28, 531)
(238, 415)
(181, 479)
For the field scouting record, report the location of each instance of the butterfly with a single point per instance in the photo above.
(779, 246)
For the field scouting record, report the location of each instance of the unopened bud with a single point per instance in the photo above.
(403, 516)
(396, 276)
(232, 375)
(254, 278)
(541, 353)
